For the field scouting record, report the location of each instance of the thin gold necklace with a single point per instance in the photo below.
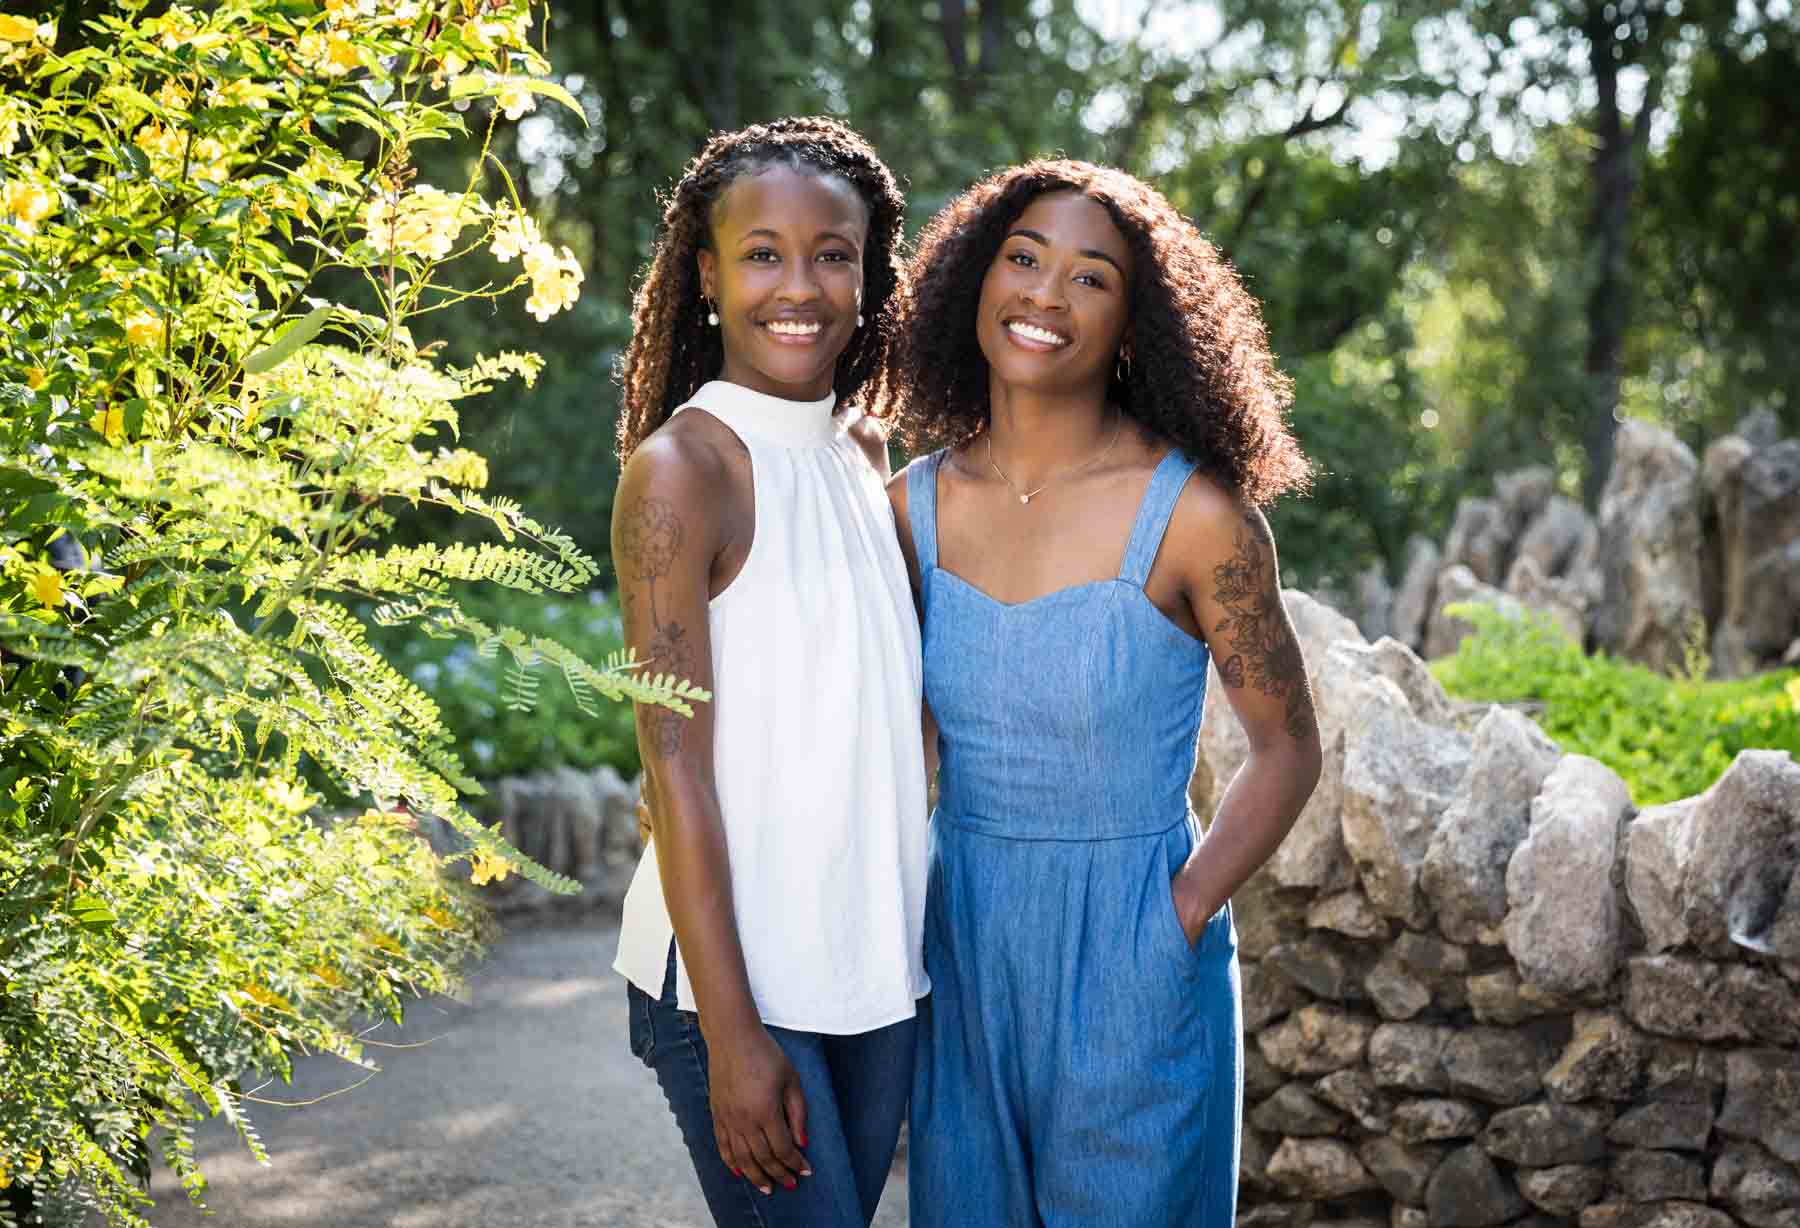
(1025, 496)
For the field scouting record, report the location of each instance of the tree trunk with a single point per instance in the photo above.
(1608, 305)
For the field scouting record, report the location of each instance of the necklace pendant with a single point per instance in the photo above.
(1024, 498)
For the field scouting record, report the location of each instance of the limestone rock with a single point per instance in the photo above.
(1741, 886)
(1265, 996)
(1435, 1120)
(1603, 1060)
(1676, 996)
(1765, 1001)
(1656, 854)
(1348, 913)
(1756, 498)
(1444, 631)
(1762, 1090)
(1318, 1168)
(1562, 921)
(1403, 1171)
(1389, 658)
(1562, 1189)
(1501, 997)
(1561, 602)
(1682, 1070)
(1467, 1191)
(1544, 1135)
(1554, 537)
(1373, 598)
(1397, 993)
(1650, 547)
(1681, 1125)
(1266, 914)
(1293, 1111)
(1413, 600)
(1354, 1092)
(1323, 966)
(1761, 1190)
(1496, 1065)
(1464, 871)
(1277, 1215)
(1260, 1078)
(1403, 1216)
(1680, 1215)
(1400, 774)
(1653, 1176)
(1410, 1056)
(1480, 538)
(1315, 1040)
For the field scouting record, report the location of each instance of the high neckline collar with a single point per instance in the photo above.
(795, 424)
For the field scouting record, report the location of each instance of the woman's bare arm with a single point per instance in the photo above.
(1230, 573)
(669, 524)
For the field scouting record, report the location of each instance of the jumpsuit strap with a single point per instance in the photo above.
(1153, 516)
(921, 508)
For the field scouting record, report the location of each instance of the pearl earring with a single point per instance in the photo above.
(712, 316)
(859, 319)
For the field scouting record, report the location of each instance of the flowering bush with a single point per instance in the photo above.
(199, 454)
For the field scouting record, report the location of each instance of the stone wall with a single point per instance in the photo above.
(1677, 545)
(1481, 989)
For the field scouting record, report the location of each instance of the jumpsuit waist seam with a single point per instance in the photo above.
(1003, 829)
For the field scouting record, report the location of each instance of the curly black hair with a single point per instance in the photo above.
(673, 351)
(1200, 374)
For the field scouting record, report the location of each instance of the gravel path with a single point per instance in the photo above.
(524, 1110)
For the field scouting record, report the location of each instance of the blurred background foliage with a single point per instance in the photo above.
(1481, 230)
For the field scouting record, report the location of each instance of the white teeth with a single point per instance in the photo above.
(794, 328)
(1034, 333)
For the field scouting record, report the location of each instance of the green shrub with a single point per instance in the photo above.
(498, 735)
(1668, 737)
(199, 465)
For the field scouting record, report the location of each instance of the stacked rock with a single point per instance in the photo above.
(1481, 988)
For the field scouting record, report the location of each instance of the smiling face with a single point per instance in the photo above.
(785, 274)
(1056, 301)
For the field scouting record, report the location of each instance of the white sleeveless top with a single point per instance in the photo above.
(816, 745)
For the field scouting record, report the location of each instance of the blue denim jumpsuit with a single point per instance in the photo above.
(1079, 1061)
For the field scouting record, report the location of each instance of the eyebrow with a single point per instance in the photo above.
(1093, 252)
(829, 234)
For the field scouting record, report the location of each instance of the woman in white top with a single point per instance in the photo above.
(771, 936)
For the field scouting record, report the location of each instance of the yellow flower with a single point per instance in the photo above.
(425, 223)
(109, 423)
(486, 868)
(172, 95)
(514, 235)
(164, 145)
(28, 203)
(438, 917)
(1793, 693)
(331, 54)
(145, 328)
(16, 29)
(46, 586)
(465, 468)
(10, 131)
(555, 280)
(328, 977)
(35, 378)
(266, 997)
(514, 98)
(5, 1177)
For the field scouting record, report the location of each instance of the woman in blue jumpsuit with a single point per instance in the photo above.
(1087, 541)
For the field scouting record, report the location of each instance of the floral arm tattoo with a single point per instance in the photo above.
(1264, 653)
(650, 537)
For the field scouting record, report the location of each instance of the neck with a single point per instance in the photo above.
(743, 373)
(1037, 434)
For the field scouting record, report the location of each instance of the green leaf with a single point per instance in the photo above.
(291, 339)
(476, 85)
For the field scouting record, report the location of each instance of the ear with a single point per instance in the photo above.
(709, 270)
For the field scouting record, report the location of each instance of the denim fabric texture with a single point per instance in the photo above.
(1079, 1060)
(856, 1089)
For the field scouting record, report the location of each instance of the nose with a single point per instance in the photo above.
(1045, 292)
(799, 282)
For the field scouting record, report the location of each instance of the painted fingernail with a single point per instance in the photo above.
(792, 1185)
(737, 1172)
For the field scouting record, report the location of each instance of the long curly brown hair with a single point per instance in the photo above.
(673, 350)
(1200, 374)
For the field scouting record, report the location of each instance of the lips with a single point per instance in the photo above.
(1034, 335)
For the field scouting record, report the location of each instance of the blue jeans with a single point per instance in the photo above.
(856, 1089)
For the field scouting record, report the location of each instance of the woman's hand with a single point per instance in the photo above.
(758, 1109)
(1194, 905)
